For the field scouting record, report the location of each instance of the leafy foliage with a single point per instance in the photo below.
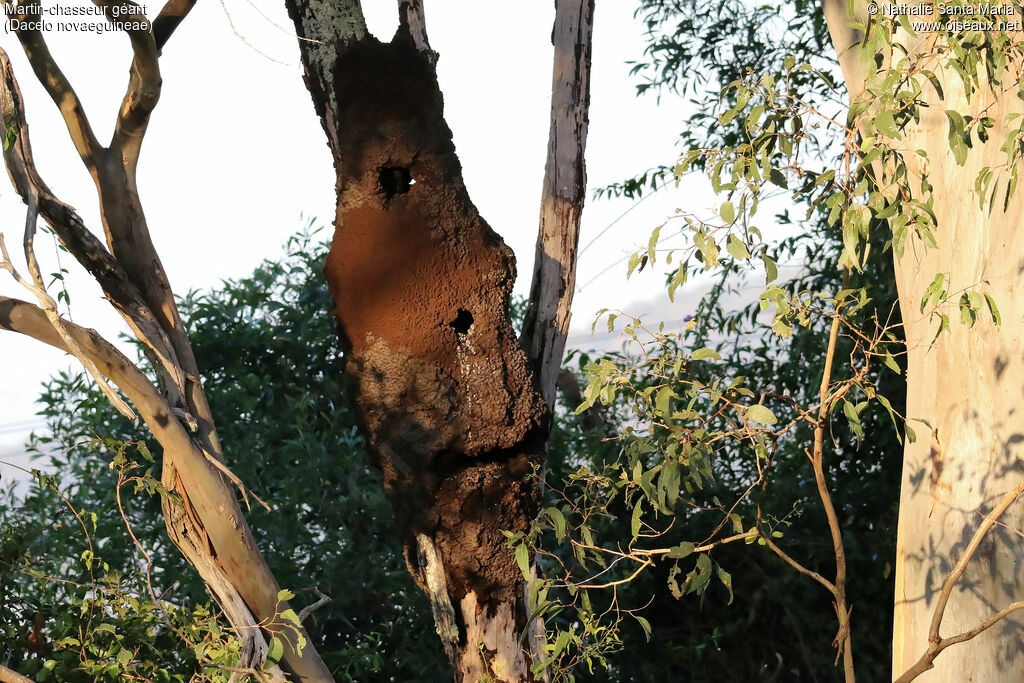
(709, 430)
(268, 351)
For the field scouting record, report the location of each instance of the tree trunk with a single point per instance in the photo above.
(421, 284)
(967, 384)
(206, 522)
(449, 402)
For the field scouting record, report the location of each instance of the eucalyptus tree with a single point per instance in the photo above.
(935, 102)
(202, 515)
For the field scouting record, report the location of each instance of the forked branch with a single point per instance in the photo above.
(88, 250)
(49, 307)
(936, 643)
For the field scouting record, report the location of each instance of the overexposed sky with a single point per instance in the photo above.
(234, 156)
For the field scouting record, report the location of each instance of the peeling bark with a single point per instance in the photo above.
(207, 525)
(565, 182)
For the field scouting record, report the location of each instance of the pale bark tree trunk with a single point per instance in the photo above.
(967, 384)
(207, 525)
(449, 401)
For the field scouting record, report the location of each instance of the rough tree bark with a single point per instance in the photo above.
(452, 407)
(207, 525)
(968, 384)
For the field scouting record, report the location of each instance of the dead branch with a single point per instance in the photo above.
(309, 609)
(554, 272)
(413, 20)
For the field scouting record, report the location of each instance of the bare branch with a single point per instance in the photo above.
(309, 609)
(843, 640)
(172, 14)
(88, 250)
(144, 81)
(554, 270)
(57, 86)
(49, 307)
(413, 21)
(797, 566)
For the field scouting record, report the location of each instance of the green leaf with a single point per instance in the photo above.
(560, 642)
(957, 141)
(759, 413)
(558, 521)
(701, 354)
(890, 363)
(728, 212)
(653, 243)
(700, 581)
(635, 524)
(726, 580)
(777, 177)
(993, 310)
(885, 124)
(934, 290)
(275, 651)
(663, 400)
(523, 559)
(680, 551)
(737, 248)
(645, 625)
(771, 271)
(284, 595)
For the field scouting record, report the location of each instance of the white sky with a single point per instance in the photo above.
(235, 157)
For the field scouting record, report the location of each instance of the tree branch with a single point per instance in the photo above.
(308, 610)
(554, 271)
(57, 86)
(49, 307)
(413, 21)
(87, 249)
(324, 28)
(936, 643)
(170, 17)
(843, 640)
(216, 538)
(9, 676)
(144, 81)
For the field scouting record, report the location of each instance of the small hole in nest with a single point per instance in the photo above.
(395, 180)
(463, 321)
